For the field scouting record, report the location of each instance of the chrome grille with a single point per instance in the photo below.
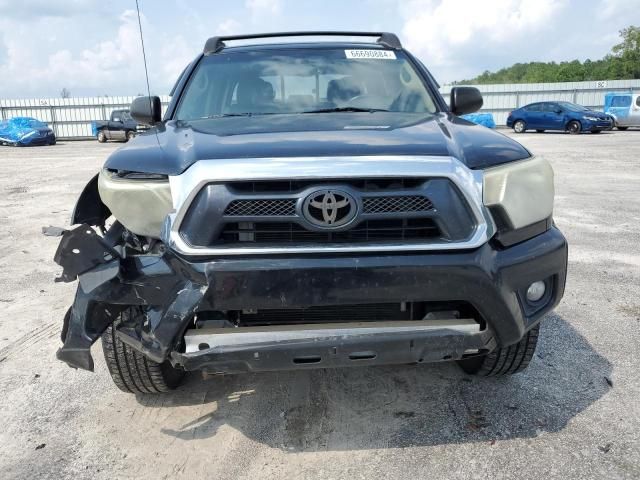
(397, 204)
(262, 208)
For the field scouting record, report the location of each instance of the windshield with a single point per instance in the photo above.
(303, 81)
(573, 107)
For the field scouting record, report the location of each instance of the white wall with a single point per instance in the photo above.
(72, 117)
(501, 99)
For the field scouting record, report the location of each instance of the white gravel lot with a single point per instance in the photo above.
(574, 414)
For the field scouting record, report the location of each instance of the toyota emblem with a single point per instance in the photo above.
(329, 208)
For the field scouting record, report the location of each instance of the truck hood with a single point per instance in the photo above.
(172, 147)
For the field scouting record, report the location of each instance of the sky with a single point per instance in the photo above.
(92, 47)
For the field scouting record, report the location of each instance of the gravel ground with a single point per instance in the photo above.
(573, 414)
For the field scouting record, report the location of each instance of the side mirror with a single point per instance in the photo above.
(465, 100)
(146, 110)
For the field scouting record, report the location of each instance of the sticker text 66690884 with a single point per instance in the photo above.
(371, 54)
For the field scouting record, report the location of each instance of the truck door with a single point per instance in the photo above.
(115, 126)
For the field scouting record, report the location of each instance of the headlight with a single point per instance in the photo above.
(139, 201)
(521, 191)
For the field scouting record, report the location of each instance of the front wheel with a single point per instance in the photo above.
(574, 127)
(504, 361)
(130, 135)
(131, 371)
(102, 137)
(519, 126)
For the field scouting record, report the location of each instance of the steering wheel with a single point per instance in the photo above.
(365, 100)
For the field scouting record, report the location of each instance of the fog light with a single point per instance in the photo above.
(536, 291)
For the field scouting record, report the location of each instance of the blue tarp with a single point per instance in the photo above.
(485, 119)
(21, 130)
(618, 104)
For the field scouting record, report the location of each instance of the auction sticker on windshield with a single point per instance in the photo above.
(371, 54)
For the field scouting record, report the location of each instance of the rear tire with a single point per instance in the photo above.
(519, 126)
(504, 361)
(131, 371)
(574, 127)
(102, 137)
(622, 129)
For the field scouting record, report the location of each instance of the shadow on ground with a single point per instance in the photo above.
(399, 406)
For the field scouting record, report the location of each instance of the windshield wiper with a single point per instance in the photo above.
(241, 114)
(346, 109)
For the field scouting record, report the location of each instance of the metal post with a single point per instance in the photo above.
(53, 120)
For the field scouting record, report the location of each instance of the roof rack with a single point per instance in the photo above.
(215, 44)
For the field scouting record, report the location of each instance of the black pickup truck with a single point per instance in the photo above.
(119, 127)
(306, 205)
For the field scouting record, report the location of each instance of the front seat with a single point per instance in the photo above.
(254, 95)
(341, 90)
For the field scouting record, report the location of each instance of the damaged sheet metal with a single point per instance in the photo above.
(170, 291)
(80, 250)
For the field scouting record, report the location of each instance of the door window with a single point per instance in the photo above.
(622, 101)
(536, 107)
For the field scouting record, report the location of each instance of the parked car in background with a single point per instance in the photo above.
(565, 116)
(120, 126)
(624, 108)
(25, 131)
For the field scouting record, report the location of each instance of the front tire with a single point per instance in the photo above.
(102, 138)
(130, 135)
(574, 127)
(131, 371)
(504, 361)
(519, 126)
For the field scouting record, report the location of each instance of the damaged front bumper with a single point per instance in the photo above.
(172, 288)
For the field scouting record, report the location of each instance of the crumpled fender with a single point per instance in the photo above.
(160, 282)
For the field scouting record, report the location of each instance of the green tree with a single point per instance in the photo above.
(622, 63)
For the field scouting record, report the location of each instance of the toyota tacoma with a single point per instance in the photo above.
(305, 205)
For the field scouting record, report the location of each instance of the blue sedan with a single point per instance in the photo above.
(25, 131)
(565, 116)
